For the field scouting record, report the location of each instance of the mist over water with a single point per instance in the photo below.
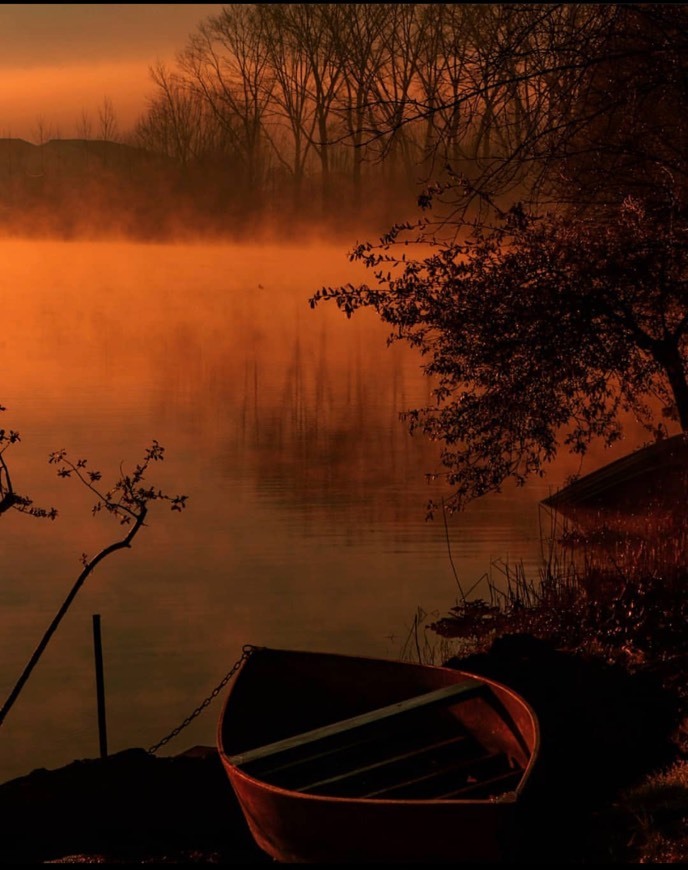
(305, 525)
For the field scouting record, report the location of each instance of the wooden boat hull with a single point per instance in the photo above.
(653, 478)
(279, 696)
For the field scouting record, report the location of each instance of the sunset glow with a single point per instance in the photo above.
(41, 103)
(399, 292)
(58, 61)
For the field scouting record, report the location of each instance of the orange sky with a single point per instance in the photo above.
(59, 60)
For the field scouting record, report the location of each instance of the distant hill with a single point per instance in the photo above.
(73, 156)
(76, 187)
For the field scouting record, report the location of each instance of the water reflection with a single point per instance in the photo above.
(306, 522)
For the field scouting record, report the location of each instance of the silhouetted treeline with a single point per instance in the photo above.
(335, 115)
(78, 187)
(70, 188)
(295, 100)
(352, 107)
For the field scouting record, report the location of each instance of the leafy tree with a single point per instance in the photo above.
(538, 331)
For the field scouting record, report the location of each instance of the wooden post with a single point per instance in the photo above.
(100, 686)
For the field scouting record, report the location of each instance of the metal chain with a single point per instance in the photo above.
(247, 650)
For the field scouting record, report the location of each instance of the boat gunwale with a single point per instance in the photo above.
(508, 797)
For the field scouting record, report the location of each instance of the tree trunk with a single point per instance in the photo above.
(669, 357)
(324, 154)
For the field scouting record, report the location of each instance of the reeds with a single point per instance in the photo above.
(610, 583)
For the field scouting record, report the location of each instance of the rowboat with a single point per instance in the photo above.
(345, 759)
(651, 478)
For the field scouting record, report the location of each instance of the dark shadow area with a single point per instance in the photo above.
(602, 729)
(129, 808)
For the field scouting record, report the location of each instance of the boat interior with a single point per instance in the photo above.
(452, 742)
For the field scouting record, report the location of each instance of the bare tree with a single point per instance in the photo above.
(315, 28)
(44, 131)
(507, 89)
(393, 89)
(84, 126)
(225, 63)
(178, 122)
(108, 127)
(289, 84)
(360, 53)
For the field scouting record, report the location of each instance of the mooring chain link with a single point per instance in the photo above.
(247, 650)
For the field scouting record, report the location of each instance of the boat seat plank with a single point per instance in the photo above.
(356, 745)
(445, 695)
(386, 762)
(427, 779)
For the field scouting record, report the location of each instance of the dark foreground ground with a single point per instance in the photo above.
(602, 731)
(129, 808)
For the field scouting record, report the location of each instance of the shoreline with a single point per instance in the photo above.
(603, 732)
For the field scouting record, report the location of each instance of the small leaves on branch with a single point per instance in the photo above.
(8, 497)
(129, 497)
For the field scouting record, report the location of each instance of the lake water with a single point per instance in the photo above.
(305, 524)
